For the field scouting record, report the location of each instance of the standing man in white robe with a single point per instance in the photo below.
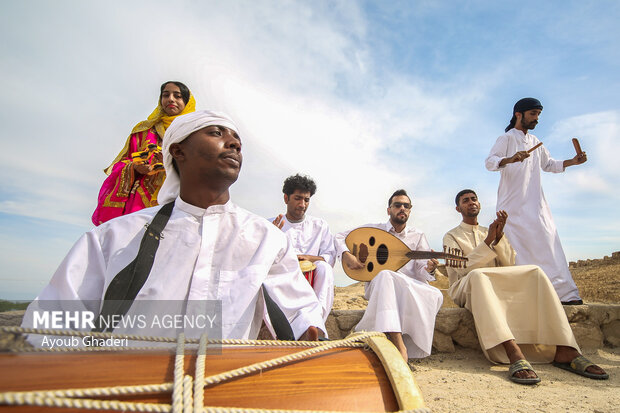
(517, 313)
(210, 249)
(531, 229)
(400, 303)
(310, 237)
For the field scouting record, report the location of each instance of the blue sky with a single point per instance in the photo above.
(366, 97)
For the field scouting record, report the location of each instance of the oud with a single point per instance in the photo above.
(379, 250)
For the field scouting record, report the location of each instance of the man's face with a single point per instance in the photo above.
(297, 204)
(469, 205)
(213, 153)
(529, 120)
(399, 209)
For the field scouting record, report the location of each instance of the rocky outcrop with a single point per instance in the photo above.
(594, 326)
(615, 256)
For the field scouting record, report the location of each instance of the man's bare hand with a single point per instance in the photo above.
(431, 265)
(158, 157)
(502, 216)
(496, 229)
(311, 258)
(351, 261)
(279, 221)
(142, 169)
(576, 160)
(519, 156)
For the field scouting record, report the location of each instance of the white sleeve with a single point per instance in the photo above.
(287, 286)
(548, 164)
(81, 275)
(480, 256)
(498, 152)
(327, 249)
(339, 243)
(77, 284)
(420, 273)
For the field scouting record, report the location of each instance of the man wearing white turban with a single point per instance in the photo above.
(209, 249)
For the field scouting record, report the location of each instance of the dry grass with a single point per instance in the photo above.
(599, 280)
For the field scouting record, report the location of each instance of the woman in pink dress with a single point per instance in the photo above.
(132, 186)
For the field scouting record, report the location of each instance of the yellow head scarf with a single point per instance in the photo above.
(158, 120)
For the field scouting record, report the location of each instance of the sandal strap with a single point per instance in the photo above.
(580, 363)
(520, 365)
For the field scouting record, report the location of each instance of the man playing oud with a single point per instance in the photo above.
(400, 303)
(309, 236)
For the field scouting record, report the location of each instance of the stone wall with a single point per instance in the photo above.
(594, 325)
(584, 263)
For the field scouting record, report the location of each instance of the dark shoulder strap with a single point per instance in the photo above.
(278, 319)
(127, 283)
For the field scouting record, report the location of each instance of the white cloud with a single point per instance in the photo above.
(599, 137)
(302, 80)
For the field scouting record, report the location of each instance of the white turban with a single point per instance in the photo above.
(179, 129)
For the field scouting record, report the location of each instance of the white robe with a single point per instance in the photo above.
(312, 236)
(222, 253)
(507, 302)
(530, 225)
(402, 301)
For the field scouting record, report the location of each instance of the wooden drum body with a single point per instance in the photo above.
(374, 378)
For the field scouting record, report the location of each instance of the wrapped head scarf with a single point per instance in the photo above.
(179, 130)
(158, 120)
(523, 105)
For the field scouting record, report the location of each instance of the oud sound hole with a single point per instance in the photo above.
(370, 267)
(382, 254)
(371, 241)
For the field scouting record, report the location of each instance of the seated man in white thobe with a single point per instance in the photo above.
(210, 249)
(517, 312)
(400, 303)
(310, 237)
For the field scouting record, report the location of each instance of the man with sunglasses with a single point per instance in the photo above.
(400, 303)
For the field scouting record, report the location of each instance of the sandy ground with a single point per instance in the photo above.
(465, 381)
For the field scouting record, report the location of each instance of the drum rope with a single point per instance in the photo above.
(40, 331)
(179, 372)
(199, 376)
(187, 392)
(327, 345)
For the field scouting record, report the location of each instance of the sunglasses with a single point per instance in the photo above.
(397, 205)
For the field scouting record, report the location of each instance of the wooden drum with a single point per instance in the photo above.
(342, 378)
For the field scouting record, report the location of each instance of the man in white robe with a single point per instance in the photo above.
(210, 249)
(310, 237)
(517, 313)
(531, 229)
(400, 303)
